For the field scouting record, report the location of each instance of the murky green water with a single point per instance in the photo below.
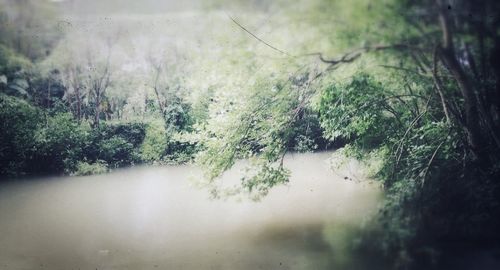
(152, 218)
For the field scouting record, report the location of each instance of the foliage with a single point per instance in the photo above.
(58, 145)
(21, 25)
(262, 128)
(11, 62)
(262, 178)
(34, 143)
(117, 151)
(117, 144)
(18, 122)
(179, 149)
(177, 114)
(307, 134)
(12, 70)
(421, 157)
(355, 109)
(155, 142)
(84, 168)
(415, 84)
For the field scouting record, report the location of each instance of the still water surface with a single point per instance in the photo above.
(153, 218)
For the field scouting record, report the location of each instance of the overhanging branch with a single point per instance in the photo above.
(356, 53)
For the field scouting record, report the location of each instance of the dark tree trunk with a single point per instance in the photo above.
(447, 54)
(78, 105)
(97, 110)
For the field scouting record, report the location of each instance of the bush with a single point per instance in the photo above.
(179, 150)
(168, 147)
(34, 141)
(177, 115)
(117, 151)
(18, 122)
(117, 144)
(84, 168)
(155, 142)
(58, 145)
(356, 111)
(435, 191)
(133, 132)
(13, 68)
(307, 135)
(31, 143)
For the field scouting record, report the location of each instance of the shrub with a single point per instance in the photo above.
(356, 111)
(179, 150)
(133, 132)
(155, 142)
(58, 145)
(117, 151)
(84, 168)
(13, 72)
(117, 144)
(306, 134)
(18, 122)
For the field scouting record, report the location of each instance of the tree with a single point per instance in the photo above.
(29, 27)
(97, 81)
(416, 85)
(166, 73)
(85, 68)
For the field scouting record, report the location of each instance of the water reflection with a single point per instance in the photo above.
(151, 218)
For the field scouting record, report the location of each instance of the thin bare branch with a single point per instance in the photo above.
(256, 37)
(439, 88)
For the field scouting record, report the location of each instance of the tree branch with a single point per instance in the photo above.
(439, 89)
(356, 53)
(255, 36)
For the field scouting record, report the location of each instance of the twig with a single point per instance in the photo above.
(438, 85)
(399, 150)
(430, 162)
(354, 54)
(256, 37)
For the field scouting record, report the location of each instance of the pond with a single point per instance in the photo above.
(151, 217)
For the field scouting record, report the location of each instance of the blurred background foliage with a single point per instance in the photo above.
(88, 86)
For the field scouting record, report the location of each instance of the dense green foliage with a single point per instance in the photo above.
(270, 122)
(357, 111)
(18, 120)
(423, 99)
(38, 142)
(415, 85)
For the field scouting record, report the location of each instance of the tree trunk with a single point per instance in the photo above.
(97, 109)
(160, 104)
(78, 104)
(447, 54)
(48, 92)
